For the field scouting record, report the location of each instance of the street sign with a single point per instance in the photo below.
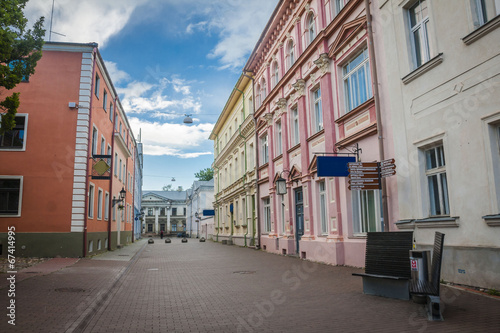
(387, 173)
(363, 187)
(387, 168)
(389, 161)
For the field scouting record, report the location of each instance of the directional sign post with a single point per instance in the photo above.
(387, 168)
(364, 176)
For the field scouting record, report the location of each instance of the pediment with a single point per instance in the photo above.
(295, 174)
(313, 166)
(346, 34)
(152, 197)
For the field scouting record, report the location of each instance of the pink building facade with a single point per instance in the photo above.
(314, 95)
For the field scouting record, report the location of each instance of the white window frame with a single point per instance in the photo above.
(279, 139)
(275, 77)
(262, 90)
(103, 145)
(290, 54)
(360, 210)
(264, 145)
(104, 100)
(99, 203)
(352, 86)
(481, 11)
(97, 85)
(90, 210)
(439, 173)
(266, 209)
(337, 6)
(106, 206)
(295, 125)
(422, 28)
(95, 135)
(25, 133)
(318, 111)
(311, 28)
(323, 207)
(20, 199)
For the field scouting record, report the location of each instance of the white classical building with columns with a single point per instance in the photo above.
(164, 211)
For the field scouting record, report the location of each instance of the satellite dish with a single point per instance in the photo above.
(188, 119)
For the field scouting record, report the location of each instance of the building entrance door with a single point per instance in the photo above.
(299, 217)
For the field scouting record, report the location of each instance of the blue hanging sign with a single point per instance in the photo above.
(208, 212)
(334, 166)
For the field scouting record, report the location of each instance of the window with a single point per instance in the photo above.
(484, 10)
(114, 209)
(290, 54)
(111, 111)
(263, 91)
(99, 204)
(97, 85)
(109, 150)
(116, 164)
(120, 175)
(435, 171)
(174, 211)
(259, 101)
(267, 215)
(265, 149)
(366, 211)
(279, 145)
(124, 174)
(106, 206)
(311, 28)
(94, 141)
(150, 212)
(11, 188)
(419, 24)
(91, 201)
(103, 146)
(337, 6)
(322, 207)
(236, 169)
(99, 245)
(250, 106)
(104, 100)
(91, 246)
(174, 227)
(295, 126)
(318, 112)
(357, 81)
(150, 228)
(15, 139)
(275, 77)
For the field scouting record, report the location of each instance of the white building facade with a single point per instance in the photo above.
(443, 66)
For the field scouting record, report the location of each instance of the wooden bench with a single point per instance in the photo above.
(387, 264)
(431, 288)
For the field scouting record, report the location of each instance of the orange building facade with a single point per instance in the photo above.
(64, 165)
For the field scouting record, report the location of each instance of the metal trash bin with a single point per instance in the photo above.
(419, 263)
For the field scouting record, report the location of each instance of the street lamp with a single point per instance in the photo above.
(281, 184)
(123, 193)
(188, 119)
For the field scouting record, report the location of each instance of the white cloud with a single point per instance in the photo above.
(83, 21)
(117, 75)
(200, 26)
(172, 139)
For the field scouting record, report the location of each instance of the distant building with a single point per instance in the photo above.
(138, 179)
(234, 168)
(164, 211)
(71, 154)
(200, 198)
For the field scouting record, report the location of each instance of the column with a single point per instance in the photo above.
(156, 219)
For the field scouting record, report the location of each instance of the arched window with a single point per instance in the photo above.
(258, 99)
(262, 91)
(290, 54)
(275, 77)
(311, 27)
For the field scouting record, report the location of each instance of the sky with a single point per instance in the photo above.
(166, 58)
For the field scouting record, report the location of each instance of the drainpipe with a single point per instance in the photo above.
(89, 150)
(376, 96)
(257, 192)
(217, 195)
(110, 213)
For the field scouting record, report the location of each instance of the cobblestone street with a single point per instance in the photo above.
(209, 287)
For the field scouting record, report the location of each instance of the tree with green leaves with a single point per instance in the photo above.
(205, 174)
(20, 50)
(167, 187)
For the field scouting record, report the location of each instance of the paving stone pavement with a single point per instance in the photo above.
(209, 287)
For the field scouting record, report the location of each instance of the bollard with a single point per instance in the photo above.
(184, 240)
(202, 239)
(168, 240)
(151, 241)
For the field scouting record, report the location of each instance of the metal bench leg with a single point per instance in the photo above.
(434, 308)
